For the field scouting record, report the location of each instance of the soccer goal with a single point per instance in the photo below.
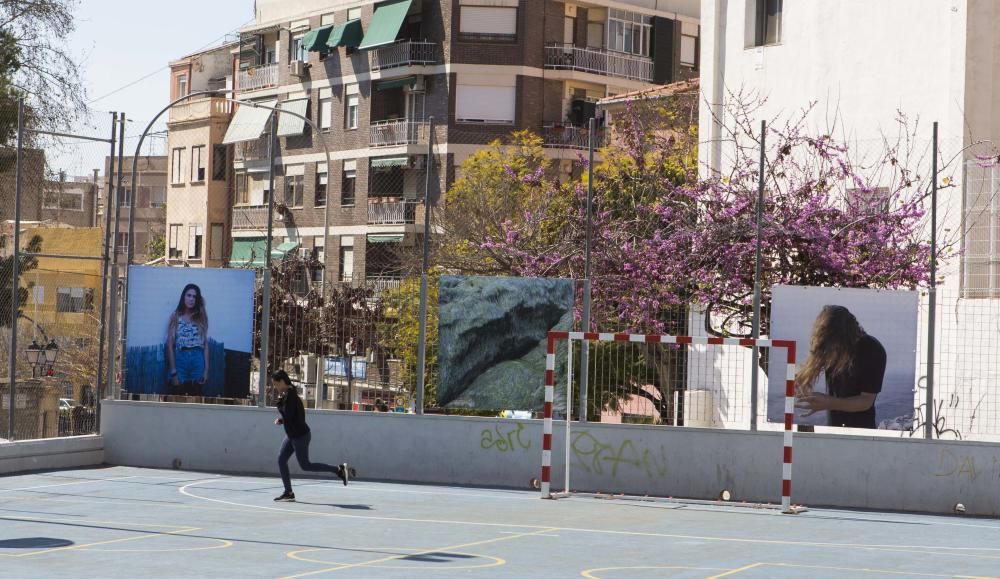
(555, 338)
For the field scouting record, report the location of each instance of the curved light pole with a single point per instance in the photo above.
(267, 257)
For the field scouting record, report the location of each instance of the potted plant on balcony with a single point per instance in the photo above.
(283, 211)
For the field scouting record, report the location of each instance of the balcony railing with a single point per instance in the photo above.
(251, 150)
(381, 283)
(570, 137)
(599, 61)
(392, 213)
(396, 132)
(257, 77)
(254, 218)
(405, 53)
(200, 109)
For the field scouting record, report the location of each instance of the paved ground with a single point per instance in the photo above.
(126, 522)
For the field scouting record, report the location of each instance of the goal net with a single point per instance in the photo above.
(678, 401)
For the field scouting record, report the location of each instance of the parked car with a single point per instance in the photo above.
(66, 405)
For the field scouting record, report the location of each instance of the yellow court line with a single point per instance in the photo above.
(417, 554)
(497, 561)
(924, 549)
(732, 572)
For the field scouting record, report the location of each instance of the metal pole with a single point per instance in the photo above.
(422, 339)
(265, 324)
(101, 382)
(15, 267)
(755, 353)
(585, 344)
(932, 295)
(116, 197)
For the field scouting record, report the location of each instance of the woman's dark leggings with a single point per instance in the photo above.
(300, 448)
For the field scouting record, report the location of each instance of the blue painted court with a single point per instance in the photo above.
(129, 522)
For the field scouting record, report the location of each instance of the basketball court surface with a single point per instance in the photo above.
(129, 522)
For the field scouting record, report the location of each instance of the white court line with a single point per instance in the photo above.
(79, 482)
(924, 549)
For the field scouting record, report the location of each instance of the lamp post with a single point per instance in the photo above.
(43, 357)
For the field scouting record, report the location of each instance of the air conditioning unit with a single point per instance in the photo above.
(419, 85)
(418, 162)
(298, 68)
(307, 363)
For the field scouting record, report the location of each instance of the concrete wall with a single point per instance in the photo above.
(843, 471)
(52, 453)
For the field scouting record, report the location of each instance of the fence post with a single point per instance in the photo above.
(15, 267)
(585, 344)
(422, 339)
(932, 295)
(755, 353)
(265, 321)
(116, 196)
(110, 180)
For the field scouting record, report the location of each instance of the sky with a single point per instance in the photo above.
(118, 44)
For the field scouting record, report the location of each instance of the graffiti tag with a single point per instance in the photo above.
(503, 440)
(596, 456)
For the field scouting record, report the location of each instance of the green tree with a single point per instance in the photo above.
(156, 247)
(400, 331)
(26, 264)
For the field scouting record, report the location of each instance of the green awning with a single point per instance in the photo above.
(391, 238)
(248, 251)
(396, 83)
(385, 24)
(347, 35)
(389, 162)
(280, 251)
(317, 38)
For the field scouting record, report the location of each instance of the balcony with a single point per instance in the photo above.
(397, 132)
(405, 53)
(599, 61)
(570, 137)
(392, 212)
(200, 109)
(257, 78)
(250, 218)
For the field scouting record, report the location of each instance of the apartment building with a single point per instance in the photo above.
(199, 194)
(149, 206)
(371, 75)
(71, 201)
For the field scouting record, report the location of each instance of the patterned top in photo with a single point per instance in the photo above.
(188, 334)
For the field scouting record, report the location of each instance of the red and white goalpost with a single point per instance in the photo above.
(550, 364)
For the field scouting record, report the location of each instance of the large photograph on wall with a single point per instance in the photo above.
(190, 331)
(493, 335)
(856, 359)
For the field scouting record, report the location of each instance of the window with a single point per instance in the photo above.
(689, 44)
(71, 201)
(176, 166)
(348, 183)
(174, 241)
(242, 190)
(294, 185)
(198, 163)
(352, 103)
(325, 112)
(158, 196)
(319, 254)
(322, 184)
(763, 22)
(125, 196)
(217, 237)
(299, 52)
(50, 200)
(629, 32)
(74, 300)
(354, 14)
(220, 161)
(595, 34)
(182, 85)
(346, 263)
(981, 240)
(485, 104)
(488, 23)
(195, 233)
(121, 242)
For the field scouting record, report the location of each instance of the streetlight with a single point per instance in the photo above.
(42, 356)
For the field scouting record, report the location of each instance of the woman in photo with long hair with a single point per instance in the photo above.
(853, 363)
(187, 344)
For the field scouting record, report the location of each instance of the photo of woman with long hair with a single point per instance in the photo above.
(187, 344)
(853, 364)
